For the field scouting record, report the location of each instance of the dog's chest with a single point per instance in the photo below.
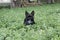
(29, 21)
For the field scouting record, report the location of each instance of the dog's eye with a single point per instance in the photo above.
(29, 16)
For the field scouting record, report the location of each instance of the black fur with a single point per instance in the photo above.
(29, 19)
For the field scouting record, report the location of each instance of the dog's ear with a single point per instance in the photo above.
(26, 13)
(33, 12)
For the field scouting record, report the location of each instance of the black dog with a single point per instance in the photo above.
(29, 19)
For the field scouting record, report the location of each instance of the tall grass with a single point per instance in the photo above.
(47, 27)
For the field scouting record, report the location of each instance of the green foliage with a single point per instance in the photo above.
(47, 27)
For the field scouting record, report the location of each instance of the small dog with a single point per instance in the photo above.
(29, 19)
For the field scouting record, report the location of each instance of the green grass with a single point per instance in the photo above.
(47, 27)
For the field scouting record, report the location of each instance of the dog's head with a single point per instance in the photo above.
(29, 19)
(29, 16)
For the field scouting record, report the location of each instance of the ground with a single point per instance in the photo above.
(47, 27)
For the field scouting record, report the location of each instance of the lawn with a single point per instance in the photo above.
(47, 27)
